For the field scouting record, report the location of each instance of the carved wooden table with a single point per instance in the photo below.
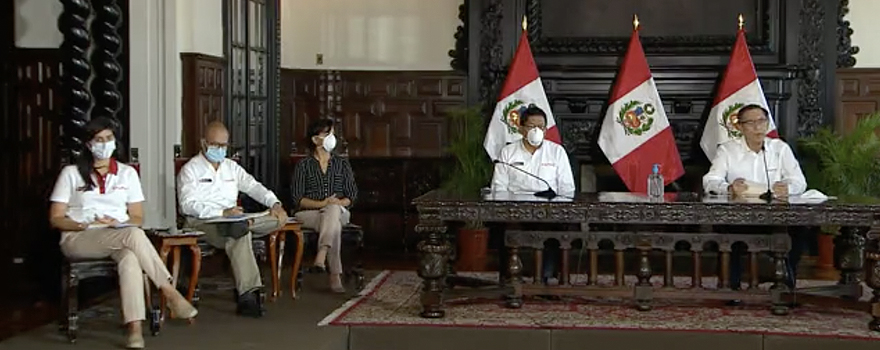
(171, 243)
(855, 217)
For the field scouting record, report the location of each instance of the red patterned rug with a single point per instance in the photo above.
(392, 299)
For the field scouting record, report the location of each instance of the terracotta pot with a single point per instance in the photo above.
(825, 260)
(473, 246)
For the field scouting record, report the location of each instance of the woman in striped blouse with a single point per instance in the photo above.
(323, 190)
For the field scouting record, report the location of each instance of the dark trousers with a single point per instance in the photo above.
(799, 235)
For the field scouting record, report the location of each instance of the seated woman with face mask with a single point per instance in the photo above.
(97, 206)
(323, 190)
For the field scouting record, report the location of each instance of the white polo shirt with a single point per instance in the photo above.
(549, 162)
(110, 197)
(205, 192)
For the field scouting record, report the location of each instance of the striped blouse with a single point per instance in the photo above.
(312, 183)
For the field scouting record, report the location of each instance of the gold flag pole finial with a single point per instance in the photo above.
(740, 18)
(525, 23)
(635, 22)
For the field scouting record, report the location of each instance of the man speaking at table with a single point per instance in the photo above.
(756, 165)
(531, 165)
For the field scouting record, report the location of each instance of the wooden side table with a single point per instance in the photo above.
(295, 227)
(171, 243)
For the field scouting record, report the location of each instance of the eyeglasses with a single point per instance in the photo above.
(753, 122)
(530, 127)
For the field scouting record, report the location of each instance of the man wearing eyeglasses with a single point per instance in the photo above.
(739, 170)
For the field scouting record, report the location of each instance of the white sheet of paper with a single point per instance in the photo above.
(244, 217)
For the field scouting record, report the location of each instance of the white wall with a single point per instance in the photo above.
(866, 28)
(36, 23)
(368, 34)
(200, 26)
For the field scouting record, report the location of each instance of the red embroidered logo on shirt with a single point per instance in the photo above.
(548, 164)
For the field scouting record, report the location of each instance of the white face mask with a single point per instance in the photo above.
(535, 136)
(103, 150)
(329, 143)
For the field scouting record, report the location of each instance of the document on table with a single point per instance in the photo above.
(244, 217)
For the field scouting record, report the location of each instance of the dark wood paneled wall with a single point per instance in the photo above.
(796, 46)
(858, 94)
(202, 96)
(29, 254)
(391, 125)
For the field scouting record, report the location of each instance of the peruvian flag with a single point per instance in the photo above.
(522, 87)
(739, 87)
(635, 133)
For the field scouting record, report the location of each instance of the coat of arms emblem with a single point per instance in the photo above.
(636, 117)
(729, 119)
(511, 114)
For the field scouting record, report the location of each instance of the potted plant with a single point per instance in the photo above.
(471, 173)
(842, 164)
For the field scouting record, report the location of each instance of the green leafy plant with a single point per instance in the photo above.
(845, 165)
(473, 169)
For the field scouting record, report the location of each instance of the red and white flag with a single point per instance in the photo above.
(739, 87)
(635, 133)
(522, 87)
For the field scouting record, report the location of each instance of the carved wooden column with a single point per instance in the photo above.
(105, 58)
(77, 71)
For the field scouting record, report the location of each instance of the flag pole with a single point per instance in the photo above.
(741, 22)
(525, 23)
(635, 22)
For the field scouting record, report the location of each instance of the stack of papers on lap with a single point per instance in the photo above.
(244, 217)
(97, 226)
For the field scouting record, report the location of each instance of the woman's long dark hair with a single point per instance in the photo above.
(85, 163)
(316, 128)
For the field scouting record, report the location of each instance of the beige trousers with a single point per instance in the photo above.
(328, 221)
(240, 251)
(134, 256)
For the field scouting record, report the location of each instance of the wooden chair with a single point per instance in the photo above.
(76, 270)
(352, 259)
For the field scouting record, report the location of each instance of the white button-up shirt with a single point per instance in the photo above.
(735, 160)
(549, 162)
(205, 192)
(110, 197)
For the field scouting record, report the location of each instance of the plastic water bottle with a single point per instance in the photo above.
(655, 183)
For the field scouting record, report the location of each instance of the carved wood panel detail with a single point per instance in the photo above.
(858, 94)
(202, 96)
(31, 136)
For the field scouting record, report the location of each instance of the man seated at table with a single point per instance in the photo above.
(533, 155)
(739, 170)
(208, 187)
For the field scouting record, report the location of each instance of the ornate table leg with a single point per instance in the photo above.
(434, 250)
(872, 278)
(515, 268)
(643, 289)
(849, 259)
(779, 306)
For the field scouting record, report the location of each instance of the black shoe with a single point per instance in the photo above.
(250, 304)
(317, 269)
(734, 302)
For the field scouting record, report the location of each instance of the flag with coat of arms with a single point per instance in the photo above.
(635, 133)
(739, 87)
(522, 87)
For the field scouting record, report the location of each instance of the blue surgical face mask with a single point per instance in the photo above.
(215, 154)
